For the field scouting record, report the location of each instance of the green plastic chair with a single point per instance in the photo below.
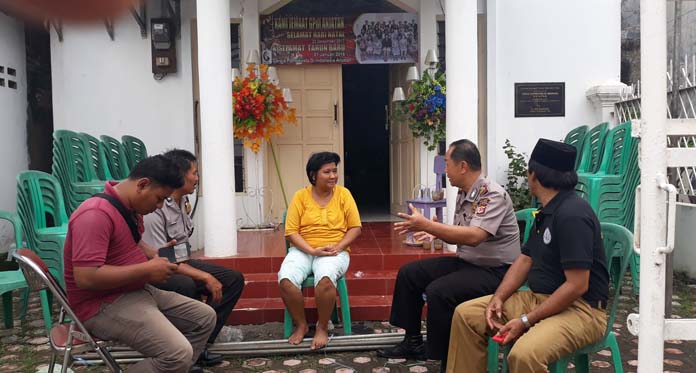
(74, 168)
(42, 214)
(526, 216)
(135, 150)
(116, 157)
(342, 288)
(98, 156)
(618, 247)
(13, 280)
(614, 168)
(576, 138)
(592, 147)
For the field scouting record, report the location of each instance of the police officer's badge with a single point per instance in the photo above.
(547, 236)
(481, 206)
(483, 190)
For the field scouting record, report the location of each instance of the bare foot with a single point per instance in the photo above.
(321, 337)
(299, 334)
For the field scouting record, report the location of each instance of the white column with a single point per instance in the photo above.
(217, 148)
(427, 39)
(250, 29)
(462, 77)
(653, 55)
(253, 161)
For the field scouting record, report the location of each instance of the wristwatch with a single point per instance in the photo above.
(525, 320)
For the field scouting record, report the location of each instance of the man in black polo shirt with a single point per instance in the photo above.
(565, 267)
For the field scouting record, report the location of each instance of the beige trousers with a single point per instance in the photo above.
(545, 342)
(169, 329)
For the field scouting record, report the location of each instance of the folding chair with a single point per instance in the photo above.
(66, 338)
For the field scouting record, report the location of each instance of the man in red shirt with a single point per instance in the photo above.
(108, 273)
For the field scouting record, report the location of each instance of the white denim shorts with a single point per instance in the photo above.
(297, 266)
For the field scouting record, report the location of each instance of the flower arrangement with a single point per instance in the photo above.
(425, 108)
(259, 108)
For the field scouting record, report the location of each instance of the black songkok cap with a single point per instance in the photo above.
(555, 155)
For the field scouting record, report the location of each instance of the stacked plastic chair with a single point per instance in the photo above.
(98, 156)
(592, 146)
(135, 150)
(116, 157)
(608, 181)
(74, 167)
(611, 190)
(576, 138)
(42, 214)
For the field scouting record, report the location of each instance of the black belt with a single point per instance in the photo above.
(598, 304)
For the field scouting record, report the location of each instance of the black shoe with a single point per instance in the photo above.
(196, 369)
(208, 359)
(412, 347)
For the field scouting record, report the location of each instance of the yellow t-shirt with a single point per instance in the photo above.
(321, 226)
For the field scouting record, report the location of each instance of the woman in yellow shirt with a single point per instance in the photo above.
(321, 222)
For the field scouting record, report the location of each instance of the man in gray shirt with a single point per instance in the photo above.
(487, 236)
(195, 278)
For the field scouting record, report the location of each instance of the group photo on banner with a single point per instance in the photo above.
(386, 38)
(371, 38)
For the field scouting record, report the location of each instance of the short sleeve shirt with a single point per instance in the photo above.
(488, 206)
(566, 235)
(171, 222)
(322, 226)
(98, 235)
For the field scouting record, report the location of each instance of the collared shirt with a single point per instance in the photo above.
(171, 222)
(566, 235)
(98, 235)
(488, 206)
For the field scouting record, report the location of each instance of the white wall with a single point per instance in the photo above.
(13, 116)
(102, 86)
(574, 42)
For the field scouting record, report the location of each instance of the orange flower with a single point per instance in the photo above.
(259, 108)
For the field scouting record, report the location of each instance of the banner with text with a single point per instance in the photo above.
(367, 39)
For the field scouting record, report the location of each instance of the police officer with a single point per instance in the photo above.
(221, 286)
(565, 266)
(487, 237)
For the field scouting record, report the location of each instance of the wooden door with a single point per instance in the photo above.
(316, 91)
(404, 148)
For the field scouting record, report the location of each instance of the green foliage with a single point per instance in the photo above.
(424, 109)
(517, 186)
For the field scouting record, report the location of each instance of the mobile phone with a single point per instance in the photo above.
(178, 253)
(499, 337)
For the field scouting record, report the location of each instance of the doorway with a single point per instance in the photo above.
(366, 138)
(39, 98)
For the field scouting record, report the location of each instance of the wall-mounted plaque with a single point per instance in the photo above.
(539, 100)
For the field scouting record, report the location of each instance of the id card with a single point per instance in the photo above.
(178, 253)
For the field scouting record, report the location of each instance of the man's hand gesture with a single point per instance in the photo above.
(415, 222)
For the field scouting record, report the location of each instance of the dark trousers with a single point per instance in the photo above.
(445, 282)
(232, 285)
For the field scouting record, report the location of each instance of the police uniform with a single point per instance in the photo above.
(566, 235)
(444, 282)
(173, 221)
